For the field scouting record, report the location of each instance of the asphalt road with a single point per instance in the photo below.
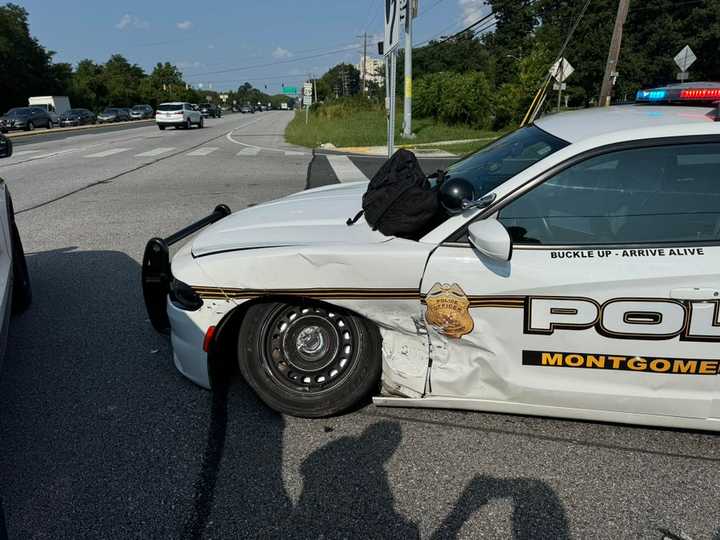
(101, 438)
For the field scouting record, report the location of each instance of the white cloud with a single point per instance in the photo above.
(184, 25)
(279, 52)
(472, 10)
(128, 21)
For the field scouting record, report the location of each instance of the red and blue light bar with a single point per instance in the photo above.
(681, 93)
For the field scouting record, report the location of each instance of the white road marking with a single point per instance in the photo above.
(230, 138)
(248, 152)
(155, 152)
(25, 152)
(290, 153)
(107, 153)
(202, 151)
(345, 170)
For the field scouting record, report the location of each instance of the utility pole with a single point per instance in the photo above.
(611, 72)
(407, 107)
(363, 65)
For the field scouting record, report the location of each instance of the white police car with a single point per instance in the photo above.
(583, 281)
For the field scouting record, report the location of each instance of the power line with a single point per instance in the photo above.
(428, 10)
(269, 64)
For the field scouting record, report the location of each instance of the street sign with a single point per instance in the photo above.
(561, 70)
(307, 94)
(392, 26)
(685, 58)
(289, 90)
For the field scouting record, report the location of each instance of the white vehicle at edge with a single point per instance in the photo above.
(15, 289)
(179, 115)
(581, 282)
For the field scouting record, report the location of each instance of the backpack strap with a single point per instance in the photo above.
(354, 220)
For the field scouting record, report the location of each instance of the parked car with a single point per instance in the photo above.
(141, 112)
(15, 290)
(113, 114)
(77, 117)
(208, 109)
(247, 109)
(127, 111)
(178, 114)
(27, 118)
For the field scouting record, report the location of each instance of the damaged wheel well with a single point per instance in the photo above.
(222, 351)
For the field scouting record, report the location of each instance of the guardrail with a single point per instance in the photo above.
(20, 134)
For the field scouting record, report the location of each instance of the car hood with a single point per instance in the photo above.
(311, 217)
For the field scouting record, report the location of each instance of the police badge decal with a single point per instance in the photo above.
(448, 310)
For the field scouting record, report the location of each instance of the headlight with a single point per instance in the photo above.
(184, 297)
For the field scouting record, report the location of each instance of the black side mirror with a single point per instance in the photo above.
(6, 147)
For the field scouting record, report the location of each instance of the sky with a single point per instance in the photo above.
(221, 44)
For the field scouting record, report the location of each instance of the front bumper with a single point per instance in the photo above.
(156, 272)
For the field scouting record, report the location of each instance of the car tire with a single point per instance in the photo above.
(300, 381)
(201, 124)
(29, 126)
(188, 124)
(161, 128)
(22, 291)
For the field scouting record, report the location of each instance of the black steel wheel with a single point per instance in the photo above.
(308, 359)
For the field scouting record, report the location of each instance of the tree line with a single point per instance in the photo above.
(28, 70)
(488, 79)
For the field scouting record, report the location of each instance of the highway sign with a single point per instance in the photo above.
(392, 26)
(290, 90)
(561, 70)
(685, 58)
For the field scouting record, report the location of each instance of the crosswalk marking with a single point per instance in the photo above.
(248, 152)
(202, 151)
(345, 170)
(155, 152)
(107, 153)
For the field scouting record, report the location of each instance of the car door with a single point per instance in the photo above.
(610, 300)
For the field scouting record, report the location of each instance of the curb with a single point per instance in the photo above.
(21, 134)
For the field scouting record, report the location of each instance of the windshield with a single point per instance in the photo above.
(18, 111)
(139, 108)
(506, 157)
(110, 111)
(170, 107)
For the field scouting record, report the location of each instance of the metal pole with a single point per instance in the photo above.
(560, 84)
(407, 107)
(614, 53)
(390, 83)
(364, 73)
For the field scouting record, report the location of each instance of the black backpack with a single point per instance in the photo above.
(399, 200)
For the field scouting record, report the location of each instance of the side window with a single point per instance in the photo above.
(646, 195)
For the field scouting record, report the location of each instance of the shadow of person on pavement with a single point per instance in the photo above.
(537, 511)
(346, 492)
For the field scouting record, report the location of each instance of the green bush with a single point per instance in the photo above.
(427, 92)
(454, 98)
(466, 99)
